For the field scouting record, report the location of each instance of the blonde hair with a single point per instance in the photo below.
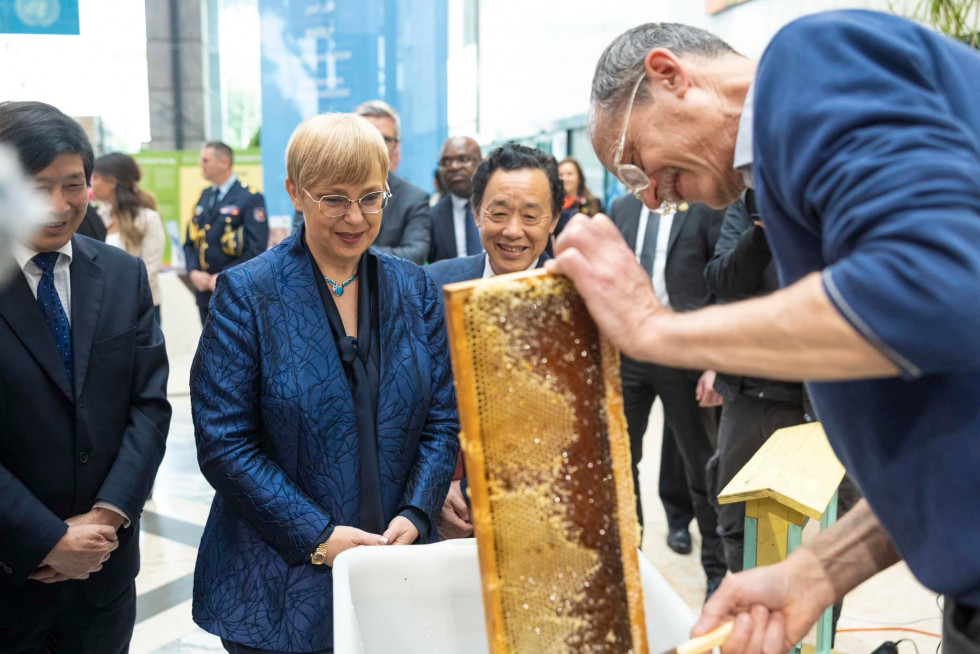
(337, 149)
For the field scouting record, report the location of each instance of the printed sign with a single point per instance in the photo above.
(39, 17)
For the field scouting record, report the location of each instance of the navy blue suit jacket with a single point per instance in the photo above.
(443, 244)
(462, 269)
(277, 438)
(63, 448)
(458, 269)
(867, 168)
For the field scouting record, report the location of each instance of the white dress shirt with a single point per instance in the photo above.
(488, 270)
(460, 216)
(743, 140)
(62, 285)
(62, 272)
(660, 256)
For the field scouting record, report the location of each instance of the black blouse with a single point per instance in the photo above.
(361, 358)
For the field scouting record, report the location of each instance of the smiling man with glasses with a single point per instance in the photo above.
(859, 132)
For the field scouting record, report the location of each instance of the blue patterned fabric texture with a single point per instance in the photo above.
(54, 312)
(277, 438)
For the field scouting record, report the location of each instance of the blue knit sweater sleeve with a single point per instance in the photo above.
(867, 149)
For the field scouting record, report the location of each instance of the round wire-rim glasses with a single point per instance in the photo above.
(335, 206)
(632, 176)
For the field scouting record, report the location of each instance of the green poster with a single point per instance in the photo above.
(174, 177)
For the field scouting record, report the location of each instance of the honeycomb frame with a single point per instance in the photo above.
(583, 545)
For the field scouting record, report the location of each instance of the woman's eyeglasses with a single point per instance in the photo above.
(335, 206)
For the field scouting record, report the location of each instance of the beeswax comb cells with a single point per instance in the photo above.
(547, 459)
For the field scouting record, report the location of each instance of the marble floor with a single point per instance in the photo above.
(174, 519)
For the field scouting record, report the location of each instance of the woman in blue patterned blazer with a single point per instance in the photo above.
(322, 401)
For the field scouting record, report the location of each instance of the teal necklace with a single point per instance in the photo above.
(338, 289)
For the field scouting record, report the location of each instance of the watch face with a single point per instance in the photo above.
(319, 558)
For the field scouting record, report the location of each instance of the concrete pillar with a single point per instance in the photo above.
(179, 104)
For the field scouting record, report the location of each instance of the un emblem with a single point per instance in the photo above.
(38, 13)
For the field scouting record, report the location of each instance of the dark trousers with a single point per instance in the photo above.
(642, 383)
(961, 628)
(58, 619)
(675, 494)
(236, 648)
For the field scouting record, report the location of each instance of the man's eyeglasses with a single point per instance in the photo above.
(462, 161)
(499, 217)
(335, 206)
(633, 176)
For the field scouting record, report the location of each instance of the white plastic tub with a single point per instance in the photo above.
(427, 599)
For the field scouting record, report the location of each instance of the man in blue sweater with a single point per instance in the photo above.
(860, 133)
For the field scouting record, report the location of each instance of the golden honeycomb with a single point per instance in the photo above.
(547, 458)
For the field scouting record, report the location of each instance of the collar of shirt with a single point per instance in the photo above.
(743, 140)
(24, 254)
(224, 188)
(488, 271)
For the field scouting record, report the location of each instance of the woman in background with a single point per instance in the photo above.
(578, 197)
(129, 214)
(323, 402)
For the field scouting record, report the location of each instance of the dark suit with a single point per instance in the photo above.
(224, 233)
(406, 222)
(461, 269)
(443, 233)
(92, 225)
(691, 244)
(63, 448)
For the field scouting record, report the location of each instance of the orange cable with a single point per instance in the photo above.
(915, 631)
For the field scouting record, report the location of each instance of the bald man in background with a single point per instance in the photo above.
(454, 231)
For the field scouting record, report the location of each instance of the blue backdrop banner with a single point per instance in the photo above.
(332, 55)
(39, 17)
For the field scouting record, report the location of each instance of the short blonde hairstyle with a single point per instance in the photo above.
(335, 149)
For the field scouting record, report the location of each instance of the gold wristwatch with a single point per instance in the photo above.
(319, 556)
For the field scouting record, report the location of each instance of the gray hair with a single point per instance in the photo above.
(621, 64)
(380, 109)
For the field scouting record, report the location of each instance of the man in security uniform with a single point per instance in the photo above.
(228, 227)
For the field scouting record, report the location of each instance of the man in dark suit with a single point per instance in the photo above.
(228, 227)
(407, 221)
(518, 196)
(454, 230)
(92, 225)
(84, 415)
(674, 248)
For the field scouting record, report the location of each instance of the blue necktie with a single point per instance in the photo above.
(54, 312)
(473, 243)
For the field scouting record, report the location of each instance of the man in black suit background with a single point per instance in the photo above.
(454, 231)
(407, 221)
(84, 415)
(674, 249)
(517, 196)
(228, 227)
